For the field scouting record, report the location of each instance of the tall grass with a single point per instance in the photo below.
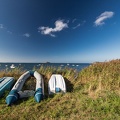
(104, 76)
(92, 94)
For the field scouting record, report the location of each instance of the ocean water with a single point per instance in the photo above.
(30, 66)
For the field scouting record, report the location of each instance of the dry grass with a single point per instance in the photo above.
(101, 77)
(93, 94)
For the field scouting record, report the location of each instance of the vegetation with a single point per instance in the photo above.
(92, 94)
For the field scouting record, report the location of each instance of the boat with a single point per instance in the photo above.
(15, 93)
(62, 65)
(12, 66)
(38, 64)
(26, 93)
(6, 65)
(6, 83)
(56, 84)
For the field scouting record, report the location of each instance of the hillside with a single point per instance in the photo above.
(92, 94)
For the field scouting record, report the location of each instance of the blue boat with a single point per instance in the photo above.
(6, 83)
(16, 93)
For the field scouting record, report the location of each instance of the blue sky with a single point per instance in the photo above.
(82, 31)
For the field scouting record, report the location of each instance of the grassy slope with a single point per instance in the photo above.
(93, 93)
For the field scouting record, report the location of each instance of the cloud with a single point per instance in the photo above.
(9, 32)
(1, 26)
(74, 20)
(78, 25)
(26, 35)
(5, 29)
(59, 26)
(100, 19)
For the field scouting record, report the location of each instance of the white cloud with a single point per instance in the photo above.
(74, 20)
(1, 26)
(78, 25)
(9, 32)
(4, 28)
(100, 19)
(26, 35)
(59, 26)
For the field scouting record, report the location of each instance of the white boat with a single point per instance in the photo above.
(62, 65)
(38, 64)
(56, 84)
(26, 93)
(12, 66)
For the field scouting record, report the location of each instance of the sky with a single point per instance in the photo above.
(59, 31)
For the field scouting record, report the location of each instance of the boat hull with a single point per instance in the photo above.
(56, 84)
(16, 93)
(6, 83)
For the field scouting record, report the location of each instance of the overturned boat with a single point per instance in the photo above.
(15, 93)
(56, 84)
(6, 83)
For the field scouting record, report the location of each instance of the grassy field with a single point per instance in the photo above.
(92, 94)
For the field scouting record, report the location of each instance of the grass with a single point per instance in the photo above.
(92, 94)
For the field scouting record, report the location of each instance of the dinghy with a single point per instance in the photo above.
(12, 66)
(15, 93)
(56, 84)
(6, 83)
(26, 93)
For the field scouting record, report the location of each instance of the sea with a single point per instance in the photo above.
(31, 66)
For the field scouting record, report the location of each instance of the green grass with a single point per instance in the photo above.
(93, 94)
